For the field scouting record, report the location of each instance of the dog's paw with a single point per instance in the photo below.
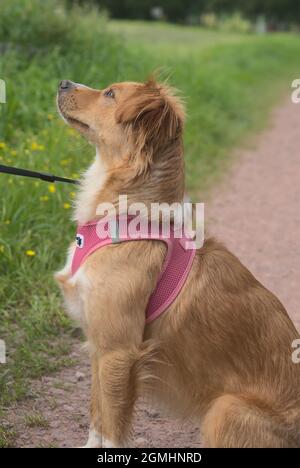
(94, 440)
(106, 443)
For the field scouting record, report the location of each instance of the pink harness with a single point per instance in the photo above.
(99, 233)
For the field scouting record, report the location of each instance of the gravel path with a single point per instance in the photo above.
(255, 211)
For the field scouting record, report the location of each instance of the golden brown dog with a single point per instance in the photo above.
(222, 352)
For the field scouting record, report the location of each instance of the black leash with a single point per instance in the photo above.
(36, 175)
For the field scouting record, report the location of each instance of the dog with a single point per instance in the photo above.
(222, 352)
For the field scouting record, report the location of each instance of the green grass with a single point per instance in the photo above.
(36, 420)
(229, 82)
(166, 36)
(7, 437)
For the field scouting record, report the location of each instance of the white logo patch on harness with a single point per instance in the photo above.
(80, 240)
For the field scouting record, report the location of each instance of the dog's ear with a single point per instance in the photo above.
(155, 116)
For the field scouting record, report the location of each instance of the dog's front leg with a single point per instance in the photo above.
(122, 360)
(117, 380)
(112, 398)
(121, 371)
(95, 432)
(123, 374)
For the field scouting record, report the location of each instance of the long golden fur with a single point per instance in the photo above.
(222, 352)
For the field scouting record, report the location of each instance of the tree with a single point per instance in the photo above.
(179, 10)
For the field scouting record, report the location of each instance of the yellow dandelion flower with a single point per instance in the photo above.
(67, 206)
(52, 188)
(30, 253)
(2, 145)
(44, 198)
(36, 147)
(72, 194)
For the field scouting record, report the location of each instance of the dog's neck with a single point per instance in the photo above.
(163, 183)
(90, 186)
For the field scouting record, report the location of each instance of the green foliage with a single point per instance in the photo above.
(28, 22)
(181, 10)
(41, 24)
(6, 437)
(234, 23)
(279, 10)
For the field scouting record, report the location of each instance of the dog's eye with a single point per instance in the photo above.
(109, 93)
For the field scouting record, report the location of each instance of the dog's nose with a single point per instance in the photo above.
(66, 85)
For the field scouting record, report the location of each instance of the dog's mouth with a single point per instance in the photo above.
(76, 123)
(72, 121)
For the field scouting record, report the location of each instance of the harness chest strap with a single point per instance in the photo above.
(177, 264)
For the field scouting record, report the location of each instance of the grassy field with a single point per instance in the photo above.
(166, 36)
(229, 83)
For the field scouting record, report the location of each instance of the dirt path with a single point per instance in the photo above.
(255, 211)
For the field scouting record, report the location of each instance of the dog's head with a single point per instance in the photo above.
(126, 118)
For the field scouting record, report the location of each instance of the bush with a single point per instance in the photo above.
(235, 23)
(48, 23)
(44, 43)
(209, 20)
(34, 22)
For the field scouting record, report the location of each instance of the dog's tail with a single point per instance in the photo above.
(235, 421)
